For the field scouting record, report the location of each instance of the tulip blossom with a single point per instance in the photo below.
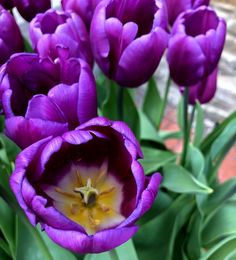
(84, 9)
(10, 37)
(41, 98)
(29, 8)
(86, 187)
(176, 7)
(54, 28)
(7, 4)
(203, 91)
(195, 45)
(128, 39)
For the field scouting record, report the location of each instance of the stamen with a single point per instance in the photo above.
(74, 208)
(105, 192)
(102, 173)
(79, 179)
(93, 222)
(64, 193)
(103, 207)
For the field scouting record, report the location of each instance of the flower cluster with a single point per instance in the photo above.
(78, 174)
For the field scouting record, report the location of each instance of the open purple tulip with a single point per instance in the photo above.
(7, 4)
(41, 98)
(55, 28)
(195, 46)
(29, 8)
(10, 37)
(203, 91)
(86, 187)
(176, 7)
(84, 9)
(128, 39)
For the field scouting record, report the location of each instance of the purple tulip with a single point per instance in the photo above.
(54, 28)
(10, 37)
(176, 7)
(84, 9)
(128, 39)
(86, 187)
(7, 4)
(29, 8)
(41, 98)
(195, 46)
(204, 91)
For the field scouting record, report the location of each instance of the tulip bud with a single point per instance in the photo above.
(54, 29)
(195, 45)
(176, 7)
(29, 8)
(84, 9)
(128, 40)
(10, 37)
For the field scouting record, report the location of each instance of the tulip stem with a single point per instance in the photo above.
(186, 127)
(120, 101)
(164, 102)
(114, 255)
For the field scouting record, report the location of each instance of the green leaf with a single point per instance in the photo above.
(4, 256)
(155, 159)
(207, 142)
(7, 225)
(124, 252)
(11, 149)
(177, 179)
(222, 250)
(152, 102)
(165, 135)
(199, 125)
(148, 131)
(223, 139)
(4, 247)
(222, 224)
(222, 193)
(157, 238)
(30, 244)
(102, 87)
(130, 113)
(196, 163)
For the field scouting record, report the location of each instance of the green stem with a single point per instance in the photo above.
(120, 101)
(186, 127)
(114, 255)
(164, 102)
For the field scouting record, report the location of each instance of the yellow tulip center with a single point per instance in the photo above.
(89, 196)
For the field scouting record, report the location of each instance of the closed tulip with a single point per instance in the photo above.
(195, 45)
(128, 39)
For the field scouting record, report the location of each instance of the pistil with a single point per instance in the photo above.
(88, 193)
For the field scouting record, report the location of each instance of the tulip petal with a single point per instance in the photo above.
(147, 198)
(132, 71)
(43, 107)
(100, 242)
(25, 132)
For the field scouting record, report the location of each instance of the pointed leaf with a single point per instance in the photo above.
(199, 125)
(177, 179)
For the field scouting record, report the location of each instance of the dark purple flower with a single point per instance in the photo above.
(86, 187)
(10, 37)
(195, 46)
(176, 7)
(29, 8)
(7, 4)
(84, 9)
(54, 28)
(203, 91)
(128, 39)
(41, 98)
